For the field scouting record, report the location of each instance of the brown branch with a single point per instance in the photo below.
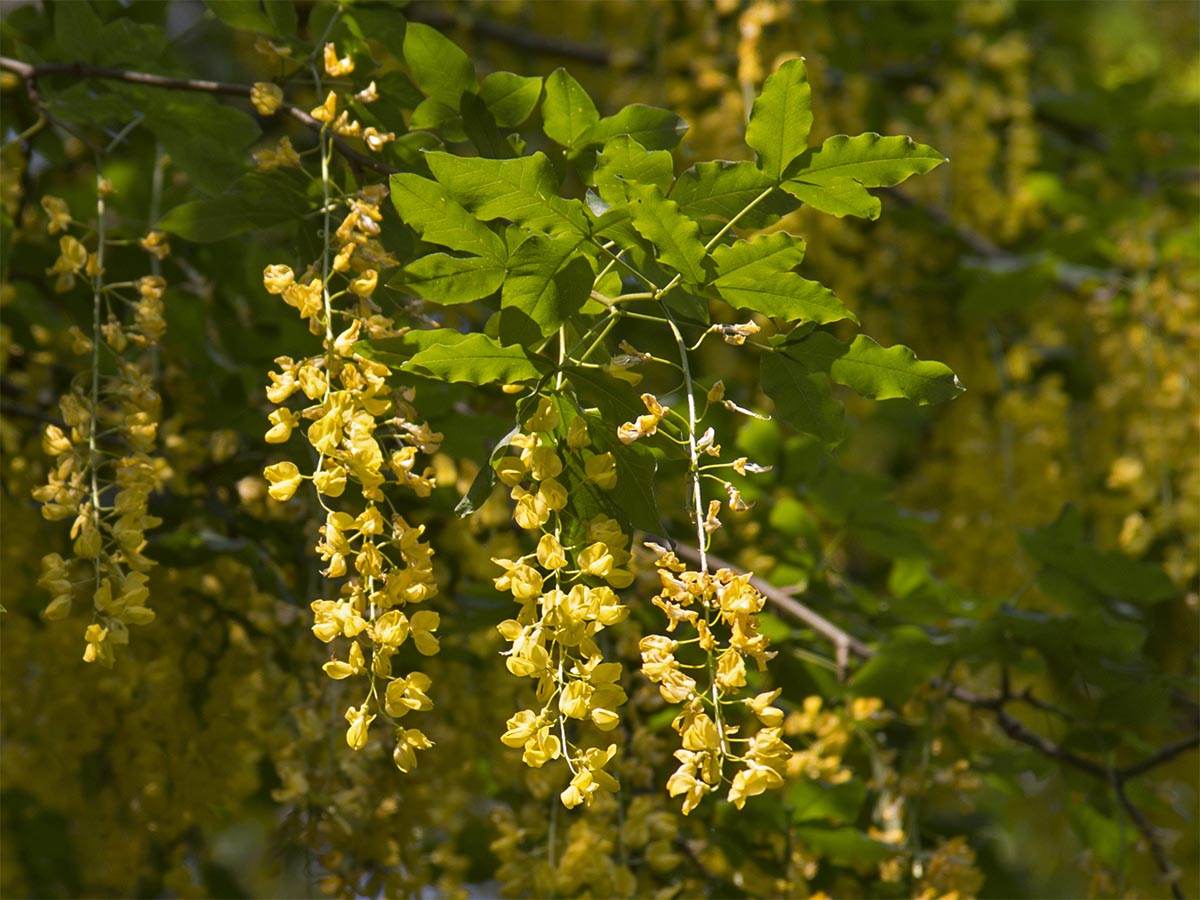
(810, 617)
(1012, 727)
(32, 73)
(1166, 754)
(1169, 873)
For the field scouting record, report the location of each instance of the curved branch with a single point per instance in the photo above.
(31, 73)
(1012, 727)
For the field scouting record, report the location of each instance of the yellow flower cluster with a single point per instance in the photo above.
(367, 438)
(566, 594)
(722, 608)
(104, 469)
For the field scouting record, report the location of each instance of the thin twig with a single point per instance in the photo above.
(1012, 727)
(31, 73)
(1150, 833)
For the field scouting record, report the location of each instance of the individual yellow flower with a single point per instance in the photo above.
(577, 434)
(266, 97)
(307, 298)
(331, 481)
(731, 671)
(364, 284)
(282, 421)
(360, 720)
(550, 553)
(335, 67)
(545, 418)
(771, 716)
(521, 727)
(155, 243)
(356, 665)
(423, 624)
(277, 279)
(327, 111)
(541, 748)
(284, 478)
(408, 741)
(602, 470)
(596, 560)
(59, 213)
(376, 140)
(405, 695)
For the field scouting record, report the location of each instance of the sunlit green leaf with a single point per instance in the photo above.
(548, 280)
(523, 191)
(426, 207)
(568, 113)
(676, 238)
(652, 127)
(477, 359)
(438, 66)
(511, 98)
(452, 279)
(780, 119)
(871, 160)
(841, 197)
(624, 160)
(783, 294)
(875, 372)
(778, 252)
(723, 189)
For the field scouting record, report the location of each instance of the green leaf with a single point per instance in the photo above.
(841, 197)
(438, 66)
(568, 113)
(244, 15)
(836, 803)
(907, 660)
(675, 237)
(875, 372)
(75, 28)
(843, 846)
(802, 399)
(255, 201)
(510, 98)
(204, 138)
(477, 359)
(435, 115)
(548, 281)
(785, 295)
(634, 494)
(382, 25)
(871, 160)
(780, 119)
(452, 279)
(396, 351)
(624, 160)
(768, 254)
(481, 130)
(124, 42)
(282, 14)
(723, 189)
(426, 207)
(1063, 550)
(652, 127)
(524, 191)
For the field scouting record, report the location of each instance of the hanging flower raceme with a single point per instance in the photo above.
(565, 589)
(367, 438)
(105, 468)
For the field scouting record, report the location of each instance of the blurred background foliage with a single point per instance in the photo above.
(1035, 542)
